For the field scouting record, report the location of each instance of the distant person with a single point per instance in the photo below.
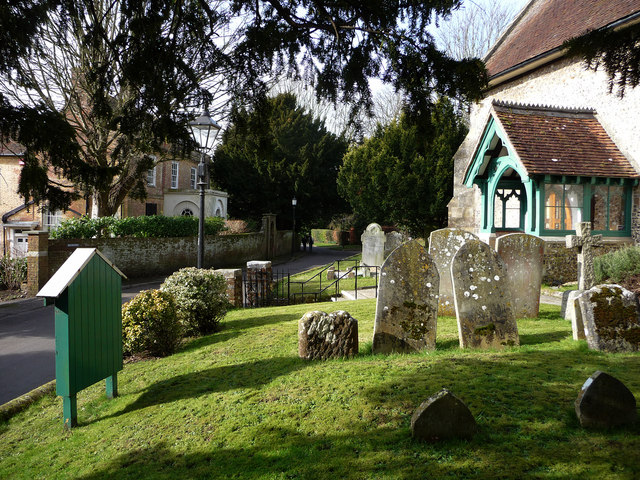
(304, 243)
(310, 239)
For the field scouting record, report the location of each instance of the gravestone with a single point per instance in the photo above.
(574, 314)
(443, 416)
(605, 402)
(523, 256)
(394, 240)
(407, 305)
(482, 298)
(443, 245)
(322, 336)
(610, 318)
(373, 240)
(584, 242)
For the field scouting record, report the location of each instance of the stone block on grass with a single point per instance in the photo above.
(327, 335)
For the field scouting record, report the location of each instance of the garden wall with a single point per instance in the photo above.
(561, 263)
(145, 257)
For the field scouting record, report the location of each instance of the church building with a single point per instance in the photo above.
(550, 146)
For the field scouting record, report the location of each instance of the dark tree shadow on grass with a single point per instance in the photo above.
(546, 337)
(219, 379)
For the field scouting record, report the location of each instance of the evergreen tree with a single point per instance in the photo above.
(142, 64)
(404, 174)
(277, 151)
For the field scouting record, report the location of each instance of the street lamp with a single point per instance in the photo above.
(294, 202)
(204, 131)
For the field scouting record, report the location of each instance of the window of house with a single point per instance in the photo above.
(563, 206)
(194, 174)
(608, 208)
(187, 212)
(507, 207)
(174, 174)
(51, 219)
(151, 209)
(151, 177)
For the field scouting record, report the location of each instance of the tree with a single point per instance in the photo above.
(473, 30)
(141, 65)
(404, 174)
(274, 152)
(80, 69)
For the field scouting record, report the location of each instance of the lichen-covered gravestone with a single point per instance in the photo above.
(322, 336)
(605, 402)
(407, 305)
(373, 240)
(610, 318)
(482, 298)
(443, 245)
(523, 256)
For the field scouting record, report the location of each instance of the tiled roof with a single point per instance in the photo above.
(559, 141)
(11, 148)
(546, 24)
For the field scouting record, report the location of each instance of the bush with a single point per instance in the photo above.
(154, 226)
(617, 266)
(150, 323)
(13, 272)
(201, 298)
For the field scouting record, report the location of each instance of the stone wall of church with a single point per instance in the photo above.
(564, 83)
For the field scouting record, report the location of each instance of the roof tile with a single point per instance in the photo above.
(547, 24)
(558, 141)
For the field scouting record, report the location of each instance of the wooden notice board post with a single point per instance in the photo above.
(87, 294)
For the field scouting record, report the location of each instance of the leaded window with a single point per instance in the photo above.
(563, 206)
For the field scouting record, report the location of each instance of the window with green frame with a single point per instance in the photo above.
(507, 209)
(608, 208)
(563, 206)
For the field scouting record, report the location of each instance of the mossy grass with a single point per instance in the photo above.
(241, 404)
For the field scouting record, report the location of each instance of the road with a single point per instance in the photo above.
(27, 350)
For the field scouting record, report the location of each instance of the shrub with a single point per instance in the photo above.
(617, 266)
(156, 226)
(13, 272)
(201, 298)
(150, 323)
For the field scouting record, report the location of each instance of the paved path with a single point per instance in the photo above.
(317, 257)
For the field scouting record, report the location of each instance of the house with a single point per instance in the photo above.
(549, 146)
(171, 188)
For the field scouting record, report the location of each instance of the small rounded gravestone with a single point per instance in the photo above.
(605, 402)
(443, 416)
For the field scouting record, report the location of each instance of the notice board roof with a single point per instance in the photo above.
(70, 270)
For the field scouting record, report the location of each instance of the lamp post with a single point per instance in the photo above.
(204, 131)
(294, 202)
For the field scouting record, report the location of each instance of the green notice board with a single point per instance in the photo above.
(86, 292)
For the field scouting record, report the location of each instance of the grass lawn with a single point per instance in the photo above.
(241, 404)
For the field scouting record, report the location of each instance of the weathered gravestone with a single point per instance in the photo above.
(443, 245)
(482, 298)
(523, 256)
(584, 242)
(393, 241)
(605, 402)
(373, 240)
(573, 313)
(443, 416)
(610, 318)
(322, 336)
(407, 305)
